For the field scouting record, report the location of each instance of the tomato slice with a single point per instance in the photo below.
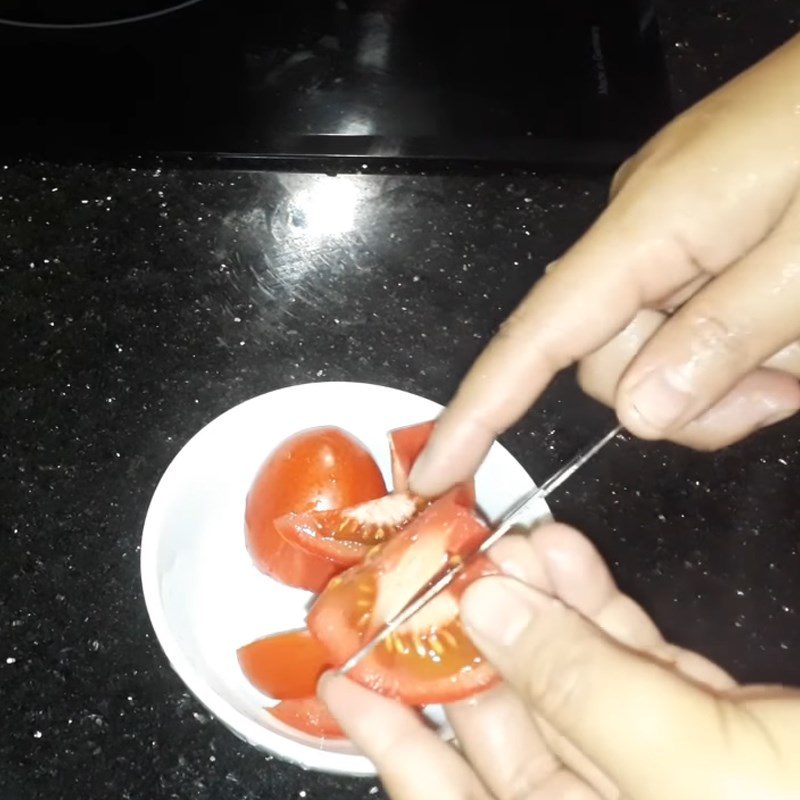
(285, 666)
(309, 715)
(318, 469)
(346, 535)
(430, 659)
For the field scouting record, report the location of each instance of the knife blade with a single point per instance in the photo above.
(439, 582)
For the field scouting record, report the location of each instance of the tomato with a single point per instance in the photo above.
(317, 469)
(285, 666)
(308, 715)
(430, 659)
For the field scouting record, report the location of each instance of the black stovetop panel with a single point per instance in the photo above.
(577, 82)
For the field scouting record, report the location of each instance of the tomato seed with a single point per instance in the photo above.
(401, 649)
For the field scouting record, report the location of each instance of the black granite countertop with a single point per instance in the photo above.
(138, 304)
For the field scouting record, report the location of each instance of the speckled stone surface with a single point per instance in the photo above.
(138, 305)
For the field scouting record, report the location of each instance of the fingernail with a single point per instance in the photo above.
(335, 691)
(499, 609)
(323, 682)
(418, 477)
(658, 400)
(773, 416)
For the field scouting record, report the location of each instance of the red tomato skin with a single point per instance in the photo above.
(317, 469)
(309, 715)
(286, 666)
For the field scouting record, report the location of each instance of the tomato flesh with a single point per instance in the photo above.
(346, 535)
(285, 666)
(430, 659)
(309, 715)
(318, 469)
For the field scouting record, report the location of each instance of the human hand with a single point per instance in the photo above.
(595, 703)
(705, 219)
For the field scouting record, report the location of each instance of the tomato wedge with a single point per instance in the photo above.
(285, 666)
(308, 715)
(318, 469)
(430, 659)
(346, 535)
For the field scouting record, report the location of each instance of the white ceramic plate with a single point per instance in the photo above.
(204, 596)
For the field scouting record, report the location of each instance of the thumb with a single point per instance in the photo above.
(653, 733)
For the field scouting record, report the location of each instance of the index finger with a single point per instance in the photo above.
(594, 292)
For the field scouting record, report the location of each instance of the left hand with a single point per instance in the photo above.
(596, 704)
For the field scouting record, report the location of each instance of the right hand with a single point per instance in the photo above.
(703, 221)
(595, 703)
